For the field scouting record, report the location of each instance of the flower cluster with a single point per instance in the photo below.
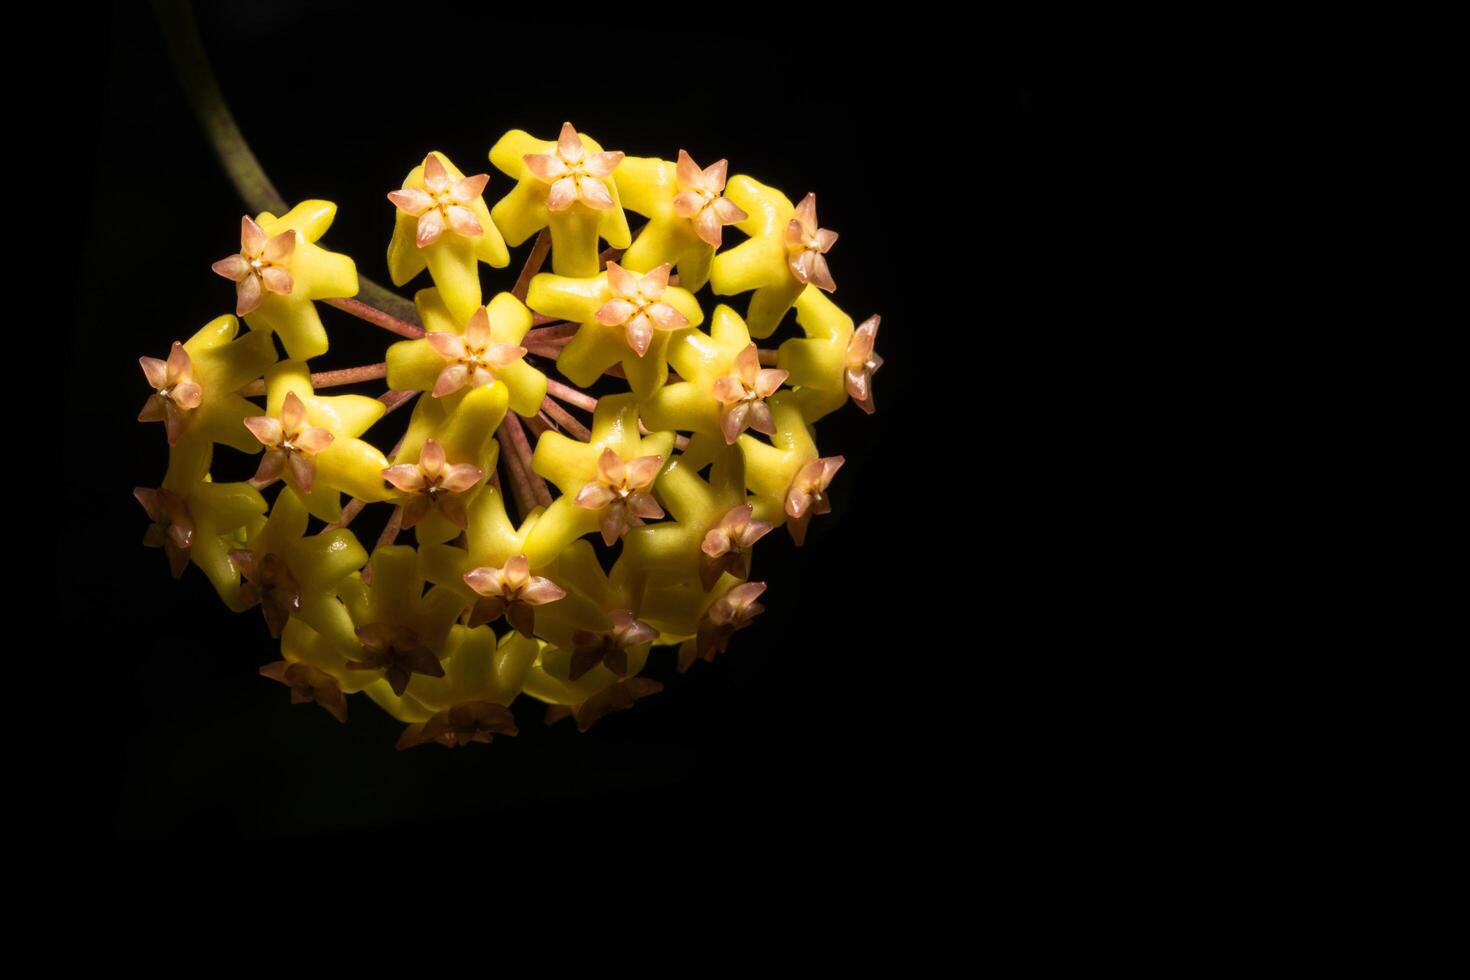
(510, 480)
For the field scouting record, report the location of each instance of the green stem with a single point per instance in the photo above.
(201, 88)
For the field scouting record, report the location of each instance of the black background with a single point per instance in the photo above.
(840, 707)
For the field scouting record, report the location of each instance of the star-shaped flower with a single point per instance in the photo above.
(175, 391)
(861, 364)
(620, 494)
(731, 612)
(312, 442)
(401, 631)
(441, 203)
(686, 214)
(290, 444)
(478, 667)
(491, 540)
(463, 426)
(807, 246)
(260, 265)
(726, 548)
(195, 519)
(472, 359)
(475, 721)
(712, 532)
(637, 307)
(307, 684)
(567, 185)
(172, 528)
(742, 395)
(614, 697)
(699, 199)
(807, 494)
(624, 318)
(292, 574)
(725, 387)
(280, 269)
(598, 489)
(432, 482)
(398, 651)
(443, 225)
(763, 262)
(513, 592)
(609, 647)
(832, 362)
(269, 583)
(573, 173)
(456, 355)
(196, 391)
(787, 477)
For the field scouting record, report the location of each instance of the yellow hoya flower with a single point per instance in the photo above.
(196, 520)
(566, 185)
(788, 478)
(786, 250)
(460, 354)
(606, 483)
(466, 704)
(686, 214)
(491, 541)
(444, 459)
(280, 269)
(442, 224)
(725, 388)
(712, 531)
(292, 575)
(593, 643)
(196, 391)
(702, 622)
(574, 636)
(491, 573)
(402, 633)
(614, 697)
(470, 703)
(312, 441)
(821, 365)
(625, 318)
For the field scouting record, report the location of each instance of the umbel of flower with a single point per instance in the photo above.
(567, 185)
(686, 212)
(625, 319)
(280, 269)
(725, 388)
(785, 251)
(196, 390)
(459, 355)
(443, 225)
(573, 635)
